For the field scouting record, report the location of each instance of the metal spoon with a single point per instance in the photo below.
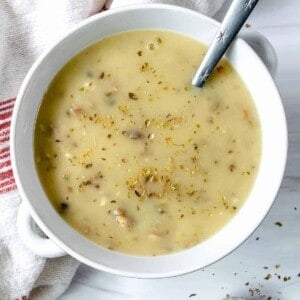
(235, 18)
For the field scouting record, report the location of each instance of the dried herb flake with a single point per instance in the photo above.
(133, 96)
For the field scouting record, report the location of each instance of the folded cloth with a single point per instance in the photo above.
(27, 28)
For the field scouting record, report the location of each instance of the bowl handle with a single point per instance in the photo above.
(262, 47)
(27, 229)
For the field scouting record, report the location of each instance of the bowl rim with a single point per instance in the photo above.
(22, 189)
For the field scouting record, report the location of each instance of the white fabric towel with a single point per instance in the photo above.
(27, 28)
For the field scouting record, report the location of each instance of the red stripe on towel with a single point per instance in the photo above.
(7, 181)
(7, 107)
(3, 102)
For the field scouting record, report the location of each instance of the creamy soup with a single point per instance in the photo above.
(135, 158)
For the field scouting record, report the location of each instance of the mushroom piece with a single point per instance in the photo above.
(111, 91)
(133, 134)
(122, 219)
(118, 212)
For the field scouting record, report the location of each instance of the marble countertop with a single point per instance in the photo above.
(268, 263)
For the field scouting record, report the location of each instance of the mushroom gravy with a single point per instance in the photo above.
(135, 158)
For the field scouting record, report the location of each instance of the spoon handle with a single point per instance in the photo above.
(235, 18)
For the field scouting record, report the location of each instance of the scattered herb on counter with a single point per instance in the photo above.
(269, 276)
(278, 223)
(192, 295)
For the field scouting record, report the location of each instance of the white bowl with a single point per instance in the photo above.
(274, 146)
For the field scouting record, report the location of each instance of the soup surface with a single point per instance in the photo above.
(135, 158)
